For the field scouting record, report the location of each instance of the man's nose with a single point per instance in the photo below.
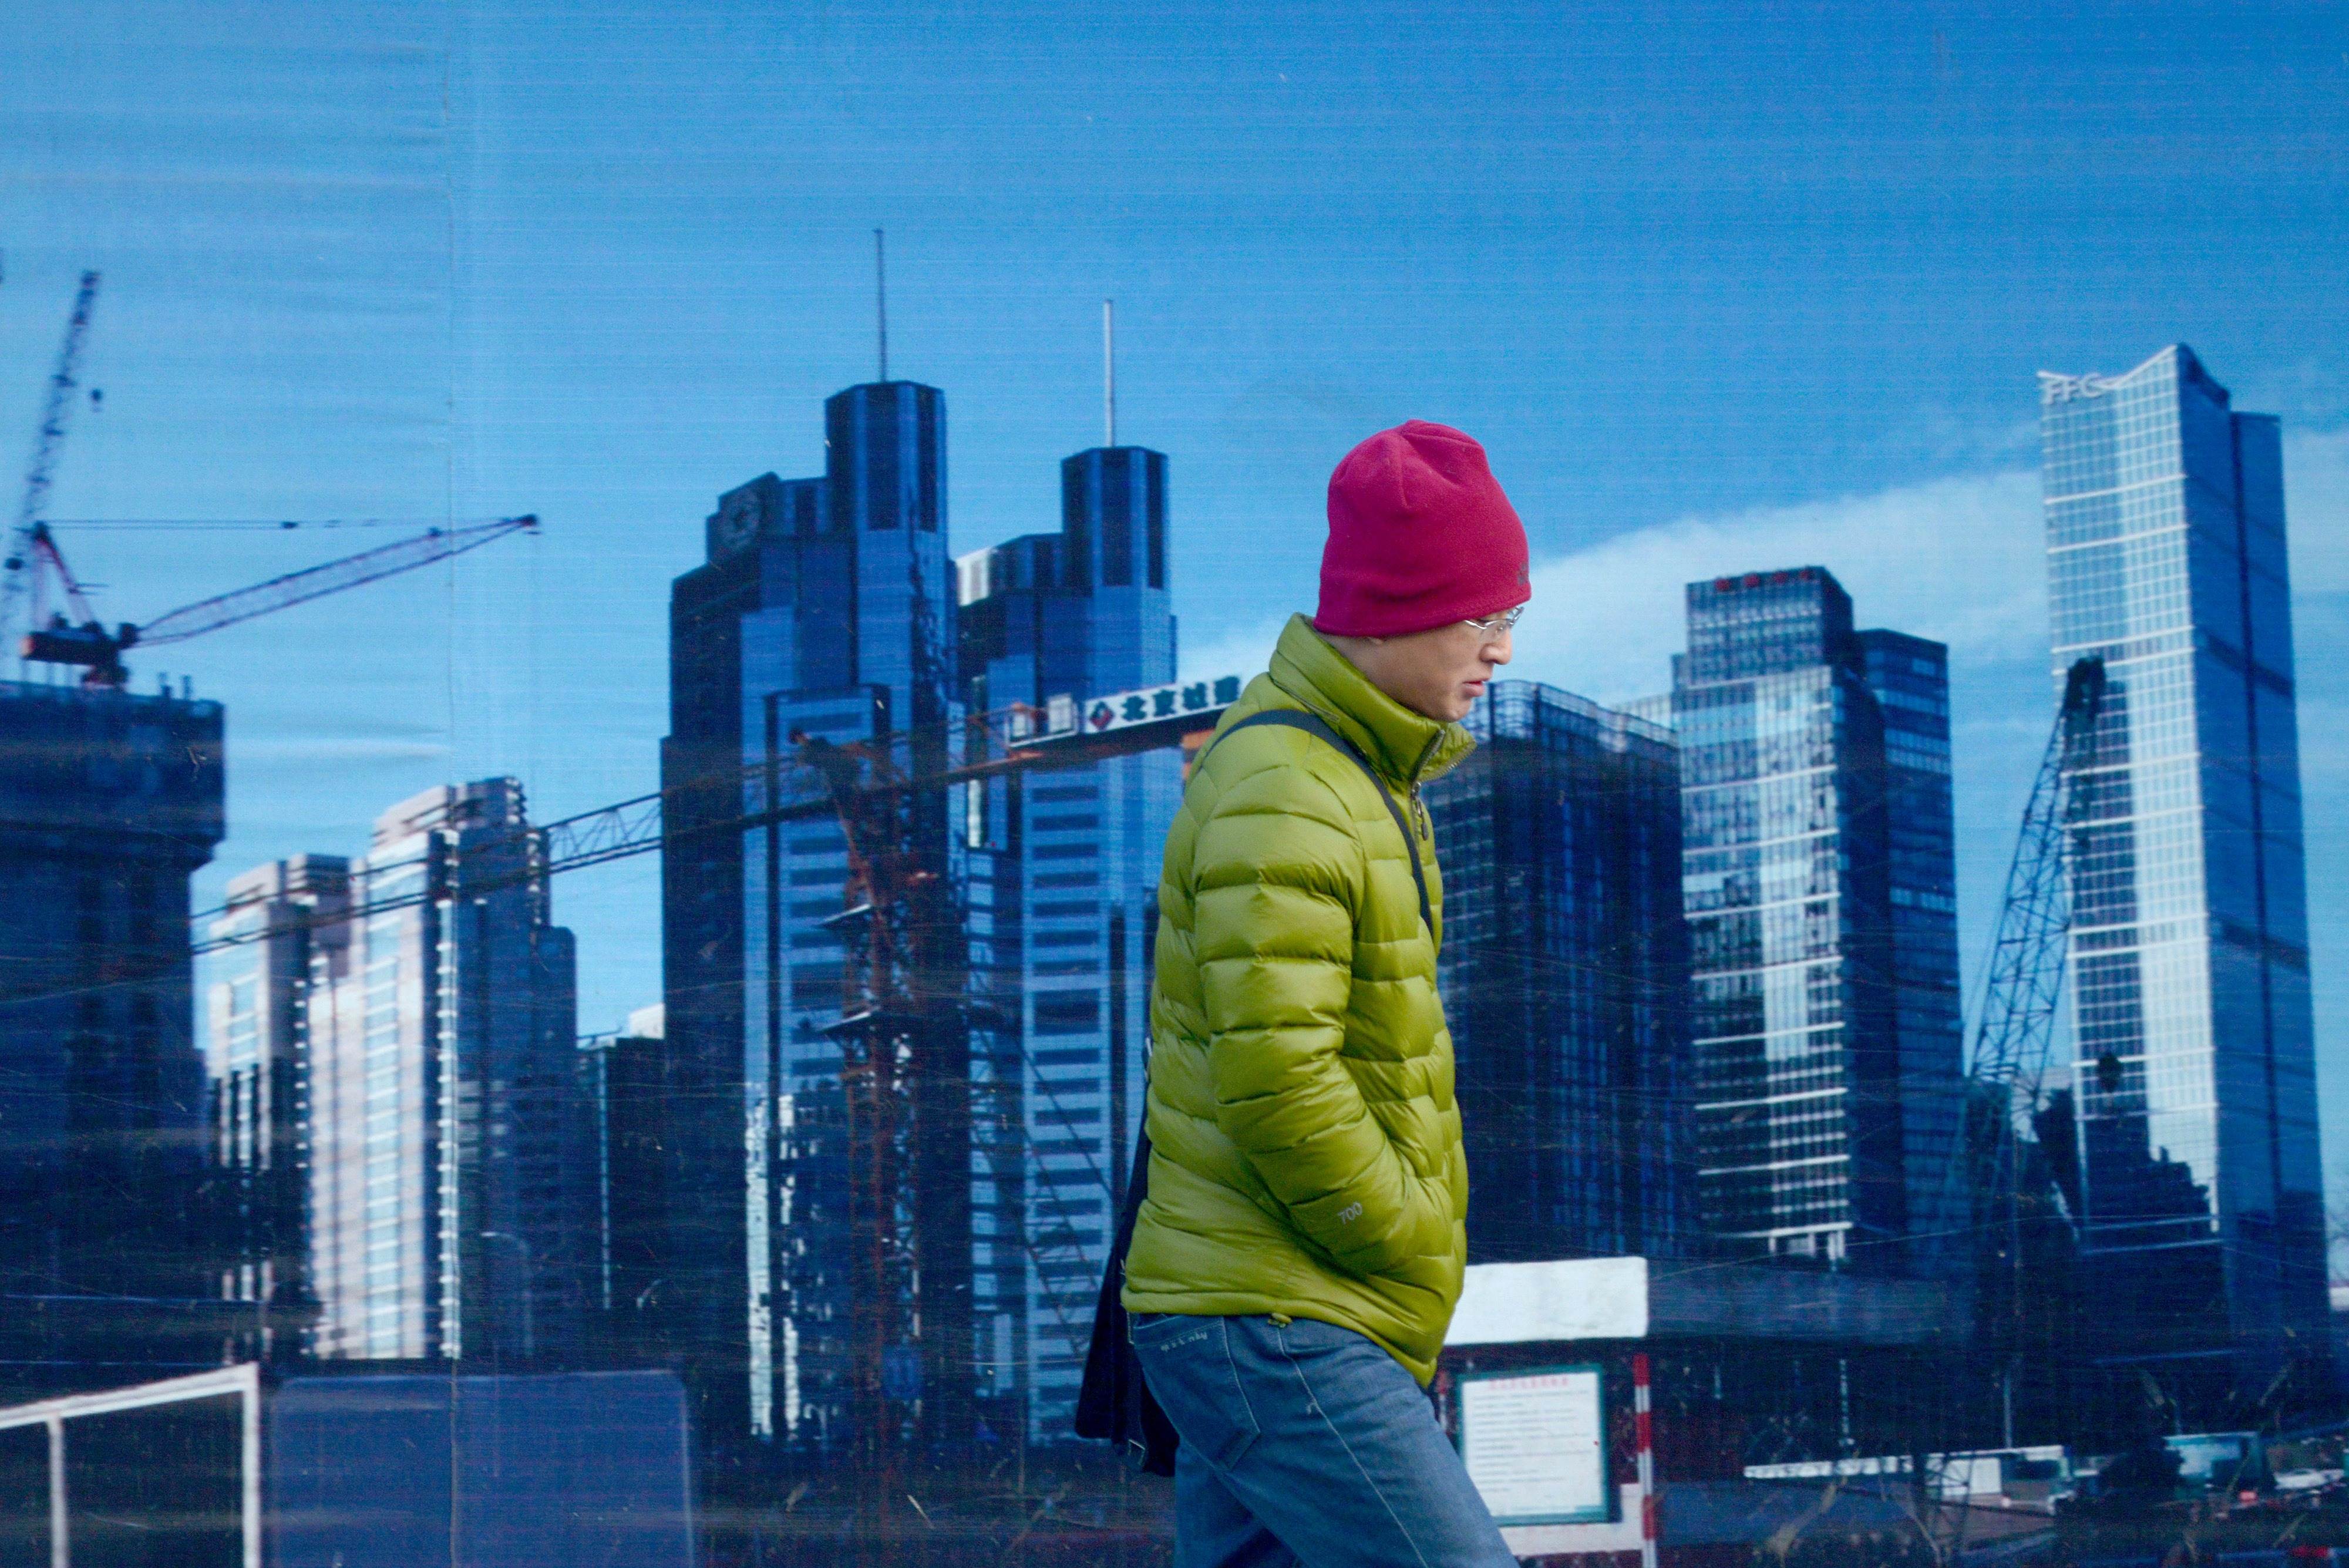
(1498, 651)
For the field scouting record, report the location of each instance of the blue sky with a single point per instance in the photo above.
(1720, 287)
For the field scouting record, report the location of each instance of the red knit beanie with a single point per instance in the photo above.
(1420, 535)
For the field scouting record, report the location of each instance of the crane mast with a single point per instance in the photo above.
(2014, 1189)
(26, 542)
(2023, 980)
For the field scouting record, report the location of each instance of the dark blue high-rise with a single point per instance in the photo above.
(825, 608)
(1819, 887)
(1069, 862)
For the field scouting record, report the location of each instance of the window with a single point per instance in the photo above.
(1067, 1011)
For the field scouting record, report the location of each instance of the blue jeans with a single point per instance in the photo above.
(1304, 1443)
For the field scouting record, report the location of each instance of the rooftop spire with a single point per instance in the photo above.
(880, 298)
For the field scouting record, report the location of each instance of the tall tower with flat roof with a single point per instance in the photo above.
(1818, 882)
(1070, 862)
(2193, 1073)
(108, 804)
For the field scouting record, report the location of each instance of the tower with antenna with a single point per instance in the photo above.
(827, 1285)
(1074, 861)
(881, 299)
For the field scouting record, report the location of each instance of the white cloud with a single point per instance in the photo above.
(1241, 652)
(339, 749)
(1957, 559)
(2316, 504)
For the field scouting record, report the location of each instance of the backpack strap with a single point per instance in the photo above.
(1314, 724)
(1114, 1402)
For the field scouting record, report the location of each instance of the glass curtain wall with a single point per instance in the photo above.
(2193, 1078)
(1070, 860)
(1563, 974)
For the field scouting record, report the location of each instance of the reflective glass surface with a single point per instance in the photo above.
(2192, 1076)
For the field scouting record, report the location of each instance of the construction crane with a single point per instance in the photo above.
(81, 640)
(2012, 1188)
(73, 633)
(906, 1118)
(22, 553)
(2023, 980)
(910, 1101)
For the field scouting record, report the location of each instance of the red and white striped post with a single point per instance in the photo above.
(1646, 1439)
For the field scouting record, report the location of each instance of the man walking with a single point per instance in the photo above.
(1300, 1252)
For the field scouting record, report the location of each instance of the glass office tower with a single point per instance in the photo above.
(1909, 677)
(1827, 1056)
(414, 1069)
(1067, 888)
(2194, 1082)
(287, 929)
(1565, 975)
(825, 608)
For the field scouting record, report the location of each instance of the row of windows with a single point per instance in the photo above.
(1775, 1001)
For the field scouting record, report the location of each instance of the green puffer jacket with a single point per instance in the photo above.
(1305, 1148)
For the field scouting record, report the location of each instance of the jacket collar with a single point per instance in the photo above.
(1406, 746)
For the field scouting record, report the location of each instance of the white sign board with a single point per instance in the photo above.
(1065, 717)
(1535, 1303)
(1535, 1443)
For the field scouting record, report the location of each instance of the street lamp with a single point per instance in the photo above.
(529, 1272)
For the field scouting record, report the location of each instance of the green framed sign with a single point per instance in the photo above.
(1534, 1442)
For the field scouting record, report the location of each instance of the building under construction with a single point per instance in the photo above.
(119, 1237)
(109, 803)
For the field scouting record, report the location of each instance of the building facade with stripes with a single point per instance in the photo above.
(397, 1111)
(2193, 1078)
(1819, 887)
(1066, 870)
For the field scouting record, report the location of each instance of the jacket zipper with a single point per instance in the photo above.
(1419, 806)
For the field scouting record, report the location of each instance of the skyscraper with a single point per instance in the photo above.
(2201, 1221)
(109, 803)
(623, 1077)
(447, 1155)
(287, 932)
(1563, 974)
(1071, 873)
(825, 608)
(1909, 677)
(1826, 1049)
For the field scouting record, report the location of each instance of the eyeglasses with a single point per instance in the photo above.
(1496, 625)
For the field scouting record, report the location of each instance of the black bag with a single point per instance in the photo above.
(1114, 1403)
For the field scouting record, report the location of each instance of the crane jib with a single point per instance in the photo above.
(86, 643)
